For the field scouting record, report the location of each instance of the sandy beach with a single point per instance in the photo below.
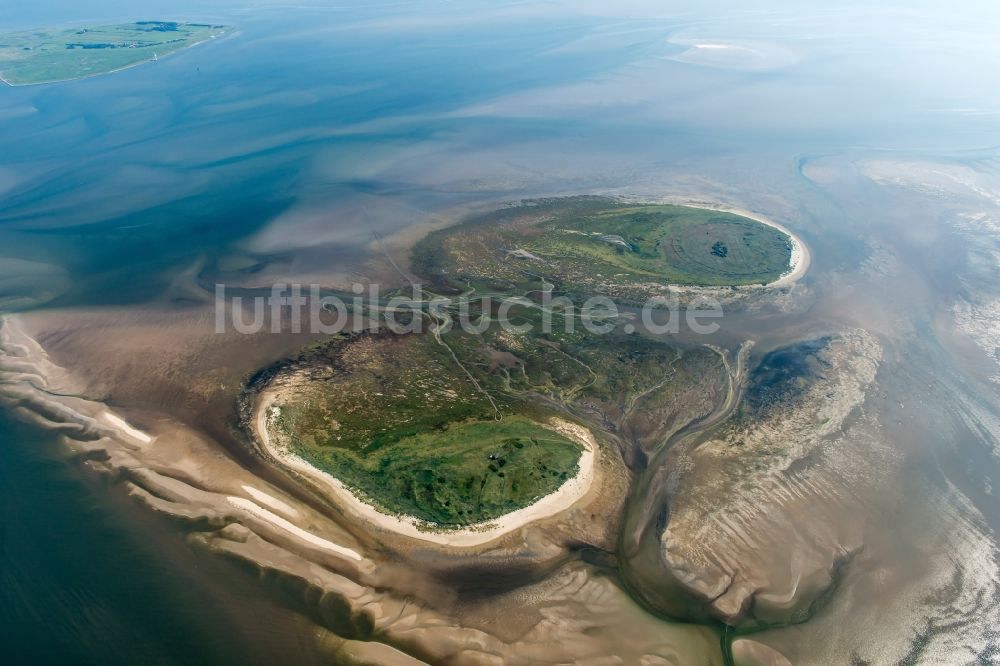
(798, 263)
(563, 498)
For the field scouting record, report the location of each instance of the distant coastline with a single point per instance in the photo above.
(225, 31)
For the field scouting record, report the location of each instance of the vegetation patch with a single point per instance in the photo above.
(394, 422)
(597, 244)
(466, 473)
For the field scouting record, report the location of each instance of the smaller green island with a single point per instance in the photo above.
(52, 56)
(602, 245)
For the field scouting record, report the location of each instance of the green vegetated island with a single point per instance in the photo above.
(454, 427)
(50, 56)
(605, 246)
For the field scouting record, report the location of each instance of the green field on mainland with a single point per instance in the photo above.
(50, 56)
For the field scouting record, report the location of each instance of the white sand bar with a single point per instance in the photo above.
(270, 501)
(120, 424)
(260, 512)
